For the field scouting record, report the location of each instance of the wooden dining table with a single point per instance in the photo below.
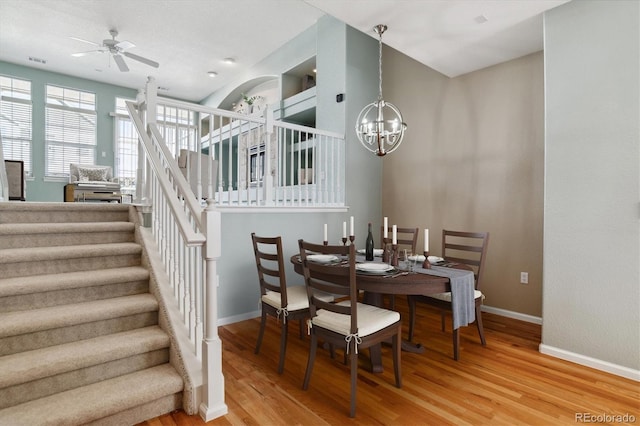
(376, 286)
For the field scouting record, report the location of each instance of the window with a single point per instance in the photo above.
(178, 128)
(70, 129)
(126, 145)
(256, 164)
(15, 120)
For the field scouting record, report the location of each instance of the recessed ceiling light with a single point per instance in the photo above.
(212, 74)
(229, 61)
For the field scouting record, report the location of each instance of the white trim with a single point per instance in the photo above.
(598, 364)
(283, 209)
(238, 318)
(512, 314)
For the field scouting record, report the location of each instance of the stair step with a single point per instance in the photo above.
(47, 260)
(42, 372)
(22, 322)
(63, 212)
(97, 401)
(21, 293)
(17, 235)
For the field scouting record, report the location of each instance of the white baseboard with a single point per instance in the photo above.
(238, 318)
(512, 314)
(598, 364)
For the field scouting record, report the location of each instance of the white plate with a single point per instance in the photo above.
(416, 258)
(376, 252)
(434, 259)
(322, 258)
(374, 267)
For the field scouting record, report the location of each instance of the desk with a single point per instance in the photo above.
(415, 283)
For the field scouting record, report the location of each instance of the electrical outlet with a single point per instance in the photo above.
(524, 278)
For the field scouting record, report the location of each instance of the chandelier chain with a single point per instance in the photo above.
(380, 67)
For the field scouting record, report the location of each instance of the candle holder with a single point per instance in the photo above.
(426, 264)
(344, 241)
(394, 256)
(385, 249)
(325, 242)
(352, 238)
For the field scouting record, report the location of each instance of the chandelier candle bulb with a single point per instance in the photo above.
(394, 235)
(426, 240)
(385, 227)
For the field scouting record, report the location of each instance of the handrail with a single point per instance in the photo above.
(191, 237)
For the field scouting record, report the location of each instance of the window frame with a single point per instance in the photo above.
(10, 98)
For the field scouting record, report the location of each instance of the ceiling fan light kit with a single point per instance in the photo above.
(117, 49)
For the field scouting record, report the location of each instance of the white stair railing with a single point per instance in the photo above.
(188, 238)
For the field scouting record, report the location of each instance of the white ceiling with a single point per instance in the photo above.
(190, 37)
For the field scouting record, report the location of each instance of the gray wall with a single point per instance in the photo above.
(39, 189)
(473, 160)
(346, 61)
(591, 300)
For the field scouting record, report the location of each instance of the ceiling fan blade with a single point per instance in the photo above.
(78, 54)
(85, 41)
(120, 62)
(124, 45)
(141, 59)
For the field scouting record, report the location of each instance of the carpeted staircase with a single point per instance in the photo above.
(80, 340)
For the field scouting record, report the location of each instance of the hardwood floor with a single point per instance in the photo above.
(508, 382)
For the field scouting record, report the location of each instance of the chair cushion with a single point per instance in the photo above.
(447, 296)
(296, 298)
(370, 319)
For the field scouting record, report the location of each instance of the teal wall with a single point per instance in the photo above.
(39, 189)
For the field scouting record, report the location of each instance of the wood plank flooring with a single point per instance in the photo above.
(508, 382)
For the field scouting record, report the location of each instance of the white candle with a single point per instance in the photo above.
(394, 234)
(351, 228)
(426, 240)
(385, 227)
(344, 229)
(325, 233)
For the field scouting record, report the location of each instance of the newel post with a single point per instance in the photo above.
(268, 177)
(212, 405)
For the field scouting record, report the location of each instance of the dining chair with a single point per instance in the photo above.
(348, 321)
(277, 299)
(406, 238)
(467, 248)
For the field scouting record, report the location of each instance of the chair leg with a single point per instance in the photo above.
(263, 322)
(284, 331)
(310, 361)
(479, 325)
(412, 315)
(392, 302)
(301, 323)
(354, 377)
(456, 344)
(397, 348)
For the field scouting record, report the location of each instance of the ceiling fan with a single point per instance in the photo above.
(117, 49)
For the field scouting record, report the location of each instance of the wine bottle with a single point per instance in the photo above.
(368, 251)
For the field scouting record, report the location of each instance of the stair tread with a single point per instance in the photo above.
(21, 322)
(35, 254)
(98, 400)
(49, 282)
(64, 227)
(33, 365)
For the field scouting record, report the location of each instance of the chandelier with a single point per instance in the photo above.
(379, 126)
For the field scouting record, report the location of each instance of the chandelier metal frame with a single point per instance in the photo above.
(374, 133)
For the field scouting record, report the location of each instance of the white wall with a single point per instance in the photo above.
(591, 279)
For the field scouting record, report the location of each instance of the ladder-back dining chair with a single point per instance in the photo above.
(277, 299)
(467, 248)
(406, 238)
(347, 322)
